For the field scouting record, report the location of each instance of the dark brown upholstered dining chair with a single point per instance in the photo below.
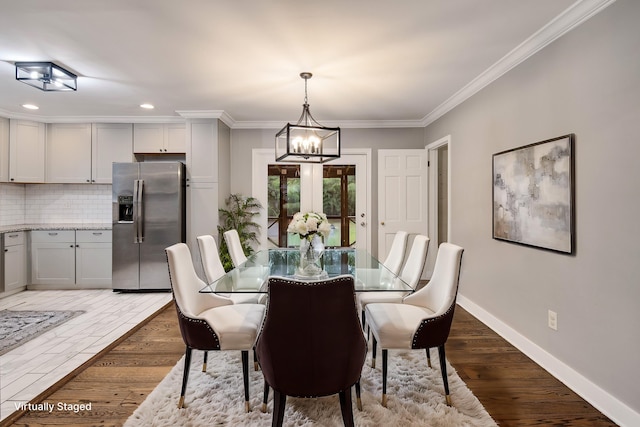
(207, 321)
(311, 343)
(423, 319)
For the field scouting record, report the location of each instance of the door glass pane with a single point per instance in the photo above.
(283, 195)
(339, 203)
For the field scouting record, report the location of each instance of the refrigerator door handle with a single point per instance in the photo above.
(140, 231)
(136, 196)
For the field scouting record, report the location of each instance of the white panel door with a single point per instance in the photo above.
(402, 195)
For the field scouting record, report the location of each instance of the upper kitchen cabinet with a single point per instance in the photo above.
(68, 153)
(110, 142)
(26, 151)
(208, 156)
(159, 138)
(4, 149)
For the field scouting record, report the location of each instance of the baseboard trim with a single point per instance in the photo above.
(617, 411)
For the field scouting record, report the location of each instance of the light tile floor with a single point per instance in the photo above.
(30, 369)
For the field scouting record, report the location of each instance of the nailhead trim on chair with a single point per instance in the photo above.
(213, 336)
(425, 322)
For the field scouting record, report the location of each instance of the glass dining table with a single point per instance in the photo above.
(251, 277)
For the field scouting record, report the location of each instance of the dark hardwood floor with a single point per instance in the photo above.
(513, 389)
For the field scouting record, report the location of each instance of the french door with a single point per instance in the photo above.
(339, 188)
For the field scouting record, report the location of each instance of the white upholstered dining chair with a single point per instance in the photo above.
(423, 319)
(213, 269)
(410, 274)
(207, 321)
(235, 247)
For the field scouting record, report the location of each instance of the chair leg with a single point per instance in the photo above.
(364, 320)
(443, 369)
(185, 376)
(245, 375)
(374, 350)
(279, 403)
(358, 400)
(428, 357)
(346, 407)
(204, 362)
(384, 377)
(255, 361)
(265, 397)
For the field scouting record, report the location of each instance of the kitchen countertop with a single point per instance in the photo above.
(55, 226)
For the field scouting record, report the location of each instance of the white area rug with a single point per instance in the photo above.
(415, 397)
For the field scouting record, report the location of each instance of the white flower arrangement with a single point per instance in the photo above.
(306, 225)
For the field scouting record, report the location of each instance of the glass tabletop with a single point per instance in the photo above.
(251, 277)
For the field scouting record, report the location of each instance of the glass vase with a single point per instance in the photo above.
(310, 265)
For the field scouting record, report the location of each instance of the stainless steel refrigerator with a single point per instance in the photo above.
(148, 216)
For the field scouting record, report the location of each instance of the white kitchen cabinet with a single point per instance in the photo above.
(207, 158)
(4, 149)
(15, 261)
(93, 258)
(159, 138)
(110, 142)
(26, 151)
(53, 257)
(68, 153)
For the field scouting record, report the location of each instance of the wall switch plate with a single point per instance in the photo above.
(553, 320)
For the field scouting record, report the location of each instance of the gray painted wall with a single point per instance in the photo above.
(587, 83)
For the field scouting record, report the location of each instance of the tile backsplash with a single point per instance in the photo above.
(54, 203)
(11, 204)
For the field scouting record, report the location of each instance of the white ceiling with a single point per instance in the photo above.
(374, 61)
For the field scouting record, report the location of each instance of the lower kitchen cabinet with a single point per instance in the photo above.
(70, 259)
(15, 261)
(53, 257)
(93, 257)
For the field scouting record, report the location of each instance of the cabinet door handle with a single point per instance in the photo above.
(12, 236)
(97, 233)
(77, 246)
(6, 250)
(70, 246)
(53, 234)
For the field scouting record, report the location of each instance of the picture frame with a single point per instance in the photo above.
(533, 195)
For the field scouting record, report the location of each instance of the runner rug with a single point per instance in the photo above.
(18, 327)
(415, 397)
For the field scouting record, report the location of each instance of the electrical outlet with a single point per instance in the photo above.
(553, 320)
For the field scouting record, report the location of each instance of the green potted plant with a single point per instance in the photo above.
(239, 215)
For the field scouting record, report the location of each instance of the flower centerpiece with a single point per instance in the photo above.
(312, 227)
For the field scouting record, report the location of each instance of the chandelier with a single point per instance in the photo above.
(307, 141)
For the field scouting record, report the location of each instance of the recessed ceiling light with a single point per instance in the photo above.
(30, 106)
(147, 106)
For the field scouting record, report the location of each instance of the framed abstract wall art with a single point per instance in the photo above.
(533, 195)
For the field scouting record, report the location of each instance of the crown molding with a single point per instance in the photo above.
(90, 119)
(573, 16)
(208, 114)
(344, 124)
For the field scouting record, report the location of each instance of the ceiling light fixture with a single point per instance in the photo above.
(307, 141)
(46, 76)
(147, 106)
(30, 107)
